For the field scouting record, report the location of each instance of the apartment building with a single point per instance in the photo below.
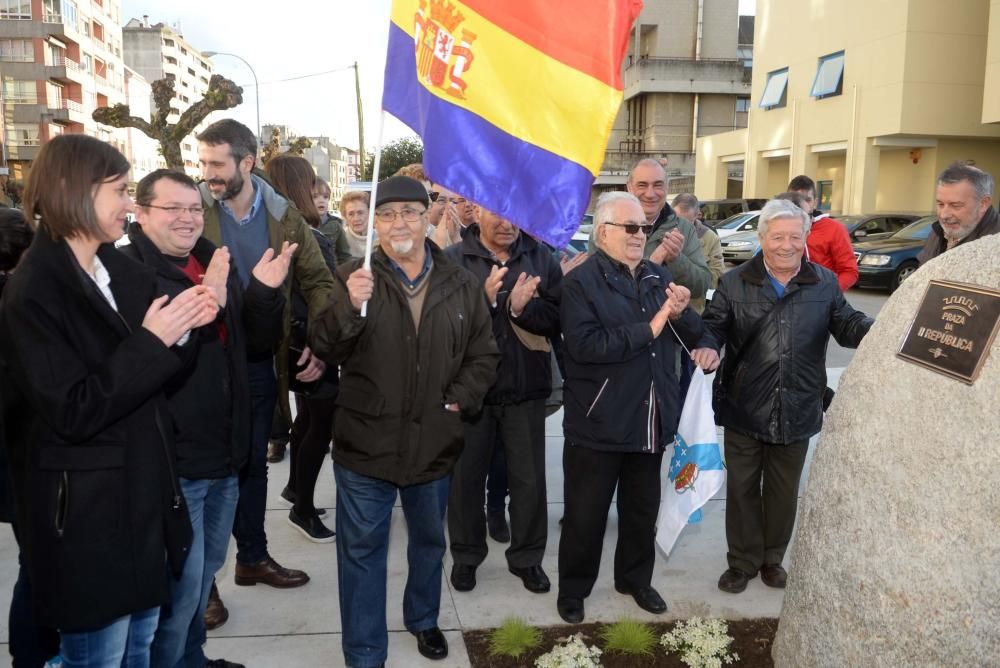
(59, 60)
(686, 75)
(871, 99)
(159, 51)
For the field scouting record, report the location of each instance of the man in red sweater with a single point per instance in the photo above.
(828, 243)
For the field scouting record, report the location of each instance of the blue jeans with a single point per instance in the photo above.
(124, 642)
(364, 509)
(251, 541)
(181, 634)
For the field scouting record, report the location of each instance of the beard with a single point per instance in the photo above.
(402, 247)
(962, 232)
(233, 187)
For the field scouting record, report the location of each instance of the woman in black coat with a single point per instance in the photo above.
(87, 347)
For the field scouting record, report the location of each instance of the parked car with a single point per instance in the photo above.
(715, 211)
(885, 263)
(876, 225)
(741, 222)
(740, 247)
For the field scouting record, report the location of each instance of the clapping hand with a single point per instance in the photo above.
(193, 308)
(678, 298)
(493, 283)
(524, 290)
(568, 264)
(669, 249)
(217, 274)
(271, 270)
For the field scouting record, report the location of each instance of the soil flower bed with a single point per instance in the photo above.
(752, 640)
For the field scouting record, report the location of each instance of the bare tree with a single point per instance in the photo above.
(273, 147)
(221, 94)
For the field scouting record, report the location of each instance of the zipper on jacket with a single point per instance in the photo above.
(177, 501)
(62, 503)
(598, 397)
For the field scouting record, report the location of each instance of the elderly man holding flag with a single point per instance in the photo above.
(421, 359)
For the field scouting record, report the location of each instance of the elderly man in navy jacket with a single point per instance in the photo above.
(521, 281)
(621, 316)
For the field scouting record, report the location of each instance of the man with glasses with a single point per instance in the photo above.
(621, 402)
(419, 361)
(210, 400)
(451, 216)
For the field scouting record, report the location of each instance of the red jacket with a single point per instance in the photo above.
(829, 245)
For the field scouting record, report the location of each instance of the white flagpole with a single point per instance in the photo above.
(371, 209)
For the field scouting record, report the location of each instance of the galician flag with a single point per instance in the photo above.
(696, 469)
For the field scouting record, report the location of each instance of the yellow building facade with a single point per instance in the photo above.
(871, 98)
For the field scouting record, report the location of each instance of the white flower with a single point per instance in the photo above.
(701, 643)
(571, 653)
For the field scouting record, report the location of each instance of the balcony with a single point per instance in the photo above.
(65, 70)
(66, 26)
(66, 112)
(687, 75)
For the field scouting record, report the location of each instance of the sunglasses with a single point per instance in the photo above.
(433, 195)
(632, 228)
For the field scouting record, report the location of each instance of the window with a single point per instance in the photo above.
(829, 79)
(824, 195)
(775, 89)
(184, 51)
(22, 134)
(742, 105)
(168, 42)
(171, 60)
(16, 50)
(98, 32)
(192, 72)
(15, 9)
(20, 92)
(87, 63)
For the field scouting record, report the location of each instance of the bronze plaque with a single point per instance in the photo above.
(954, 329)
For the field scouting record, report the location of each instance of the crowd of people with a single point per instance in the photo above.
(142, 383)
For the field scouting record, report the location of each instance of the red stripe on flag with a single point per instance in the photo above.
(588, 36)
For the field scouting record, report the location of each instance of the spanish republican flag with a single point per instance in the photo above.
(514, 99)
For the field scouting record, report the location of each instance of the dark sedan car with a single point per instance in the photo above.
(875, 225)
(887, 262)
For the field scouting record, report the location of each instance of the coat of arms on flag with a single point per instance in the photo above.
(696, 471)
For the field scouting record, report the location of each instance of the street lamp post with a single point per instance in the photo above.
(209, 54)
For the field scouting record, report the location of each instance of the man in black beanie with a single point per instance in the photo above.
(421, 359)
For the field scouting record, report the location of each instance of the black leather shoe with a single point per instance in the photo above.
(773, 575)
(734, 580)
(275, 452)
(534, 578)
(497, 527)
(289, 497)
(432, 644)
(222, 663)
(646, 598)
(570, 609)
(311, 527)
(463, 577)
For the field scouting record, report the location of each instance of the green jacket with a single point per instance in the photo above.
(333, 228)
(690, 268)
(284, 223)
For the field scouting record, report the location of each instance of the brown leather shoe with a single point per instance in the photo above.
(773, 575)
(269, 572)
(216, 613)
(275, 452)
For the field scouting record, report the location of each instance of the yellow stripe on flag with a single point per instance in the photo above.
(512, 85)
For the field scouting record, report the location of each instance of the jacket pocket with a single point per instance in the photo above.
(83, 491)
(597, 398)
(353, 399)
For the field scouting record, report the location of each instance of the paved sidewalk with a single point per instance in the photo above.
(301, 627)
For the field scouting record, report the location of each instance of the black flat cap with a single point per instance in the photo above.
(401, 189)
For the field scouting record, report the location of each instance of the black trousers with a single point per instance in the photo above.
(309, 445)
(590, 478)
(522, 430)
(762, 494)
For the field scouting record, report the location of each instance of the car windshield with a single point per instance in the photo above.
(918, 230)
(850, 220)
(733, 222)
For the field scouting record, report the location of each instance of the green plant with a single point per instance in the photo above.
(570, 652)
(629, 636)
(702, 643)
(514, 637)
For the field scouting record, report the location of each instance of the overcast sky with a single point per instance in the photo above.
(295, 38)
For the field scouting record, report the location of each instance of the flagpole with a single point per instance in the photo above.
(371, 209)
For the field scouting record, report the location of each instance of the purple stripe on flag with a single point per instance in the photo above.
(535, 189)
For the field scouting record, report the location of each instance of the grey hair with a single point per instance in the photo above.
(686, 200)
(602, 210)
(782, 208)
(957, 172)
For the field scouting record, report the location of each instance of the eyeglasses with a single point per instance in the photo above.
(632, 228)
(194, 211)
(433, 195)
(408, 215)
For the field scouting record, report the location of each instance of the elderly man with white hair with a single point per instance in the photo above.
(774, 315)
(622, 403)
